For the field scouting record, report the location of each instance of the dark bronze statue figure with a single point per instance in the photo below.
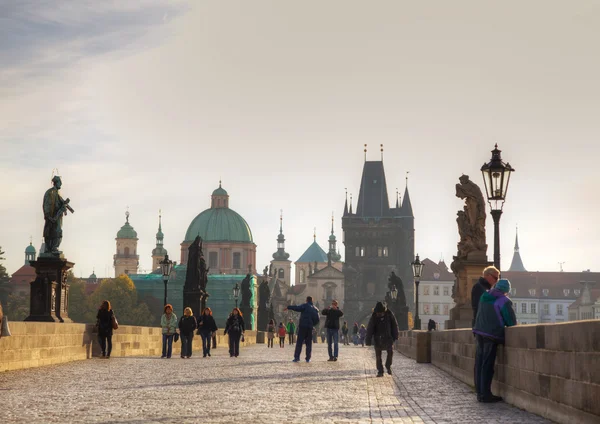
(54, 207)
(395, 281)
(264, 295)
(246, 292)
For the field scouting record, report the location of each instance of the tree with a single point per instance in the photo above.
(79, 306)
(122, 295)
(4, 287)
(17, 306)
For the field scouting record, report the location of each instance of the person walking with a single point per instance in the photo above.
(207, 328)
(281, 332)
(332, 326)
(168, 322)
(362, 334)
(104, 322)
(235, 328)
(485, 282)
(291, 330)
(187, 326)
(309, 317)
(345, 333)
(494, 314)
(383, 330)
(271, 333)
(355, 334)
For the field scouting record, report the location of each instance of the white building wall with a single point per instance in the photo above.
(435, 302)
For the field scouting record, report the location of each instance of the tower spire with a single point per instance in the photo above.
(365, 152)
(517, 262)
(397, 196)
(333, 255)
(346, 203)
(315, 234)
(381, 145)
(281, 254)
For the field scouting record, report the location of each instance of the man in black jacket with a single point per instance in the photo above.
(332, 324)
(489, 278)
(382, 327)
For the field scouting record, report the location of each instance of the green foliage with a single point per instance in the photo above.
(17, 307)
(122, 295)
(79, 307)
(4, 277)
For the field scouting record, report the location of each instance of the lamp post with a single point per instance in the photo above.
(236, 293)
(417, 267)
(166, 266)
(496, 175)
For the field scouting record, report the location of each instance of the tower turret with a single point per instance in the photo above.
(517, 262)
(282, 266)
(126, 260)
(333, 254)
(30, 253)
(159, 252)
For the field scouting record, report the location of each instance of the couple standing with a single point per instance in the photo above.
(309, 318)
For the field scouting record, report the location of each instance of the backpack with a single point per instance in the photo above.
(315, 316)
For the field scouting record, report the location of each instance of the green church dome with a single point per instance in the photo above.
(30, 249)
(127, 231)
(220, 191)
(219, 224)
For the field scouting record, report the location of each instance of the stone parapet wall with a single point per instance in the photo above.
(407, 344)
(415, 344)
(35, 344)
(552, 370)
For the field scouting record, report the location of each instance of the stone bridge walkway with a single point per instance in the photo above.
(261, 386)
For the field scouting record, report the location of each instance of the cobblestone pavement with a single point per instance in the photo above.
(261, 386)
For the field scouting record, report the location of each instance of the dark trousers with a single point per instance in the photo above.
(186, 344)
(214, 340)
(206, 339)
(167, 345)
(388, 360)
(291, 338)
(332, 342)
(485, 358)
(234, 343)
(105, 341)
(270, 342)
(304, 336)
(281, 341)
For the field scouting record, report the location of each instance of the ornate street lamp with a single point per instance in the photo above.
(417, 267)
(236, 293)
(496, 175)
(166, 266)
(394, 293)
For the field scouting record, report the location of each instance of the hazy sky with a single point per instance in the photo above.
(147, 104)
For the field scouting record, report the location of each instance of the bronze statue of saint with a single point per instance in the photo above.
(54, 207)
(264, 294)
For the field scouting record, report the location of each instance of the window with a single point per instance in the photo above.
(532, 292)
(559, 310)
(425, 290)
(436, 290)
(426, 308)
(546, 309)
(436, 309)
(302, 275)
(237, 260)
(385, 251)
(566, 292)
(362, 251)
(577, 292)
(127, 251)
(545, 292)
(329, 294)
(357, 251)
(281, 273)
(513, 292)
(213, 259)
(533, 308)
(446, 308)
(379, 252)
(446, 291)
(523, 308)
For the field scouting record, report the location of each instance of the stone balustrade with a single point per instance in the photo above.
(552, 370)
(35, 344)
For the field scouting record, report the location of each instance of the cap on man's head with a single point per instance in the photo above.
(503, 285)
(379, 308)
(309, 298)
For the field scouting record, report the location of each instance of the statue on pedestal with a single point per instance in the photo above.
(54, 207)
(471, 220)
(196, 278)
(246, 292)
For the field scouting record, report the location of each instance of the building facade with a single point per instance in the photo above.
(126, 260)
(435, 294)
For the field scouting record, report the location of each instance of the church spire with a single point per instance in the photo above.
(159, 252)
(346, 204)
(350, 210)
(517, 262)
(281, 254)
(332, 254)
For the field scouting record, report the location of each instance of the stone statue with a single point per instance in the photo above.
(265, 271)
(203, 269)
(246, 292)
(471, 220)
(270, 270)
(193, 273)
(54, 207)
(264, 295)
(395, 281)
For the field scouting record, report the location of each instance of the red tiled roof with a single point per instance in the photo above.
(554, 282)
(436, 271)
(595, 294)
(24, 275)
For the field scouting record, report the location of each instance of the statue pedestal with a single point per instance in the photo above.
(193, 299)
(401, 313)
(49, 299)
(467, 273)
(263, 319)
